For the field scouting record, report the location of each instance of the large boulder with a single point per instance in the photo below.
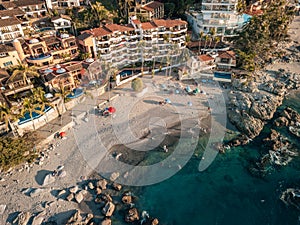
(108, 209)
(39, 218)
(132, 215)
(106, 221)
(102, 184)
(246, 123)
(75, 218)
(23, 218)
(49, 179)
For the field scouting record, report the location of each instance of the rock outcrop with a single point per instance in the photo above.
(253, 101)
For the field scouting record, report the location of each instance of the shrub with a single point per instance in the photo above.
(14, 151)
(137, 84)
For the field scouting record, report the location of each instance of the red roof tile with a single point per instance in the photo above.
(205, 58)
(227, 55)
(100, 31)
(152, 5)
(148, 26)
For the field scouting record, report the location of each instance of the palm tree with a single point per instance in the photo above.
(154, 53)
(206, 39)
(7, 115)
(99, 13)
(141, 45)
(217, 40)
(212, 33)
(62, 93)
(31, 106)
(201, 35)
(25, 71)
(39, 96)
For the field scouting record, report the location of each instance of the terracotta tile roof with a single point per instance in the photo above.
(22, 3)
(152, 6)
(11, 12)
(6, 48)
(148, 26)
(112, 27)
(227, 55)
(99, 32)
(169, 23)
(9, 22)
(8, 5)
(255, 12)
(60, 16)
(84, 36)
(136, 21)
(205, 58)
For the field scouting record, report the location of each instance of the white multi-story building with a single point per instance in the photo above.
(219, 15)
(125, 44)
(10, 29)
(52, 4)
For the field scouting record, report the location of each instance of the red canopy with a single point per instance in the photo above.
(62, 134)
(111, 109)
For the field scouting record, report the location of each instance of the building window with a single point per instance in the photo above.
(9, 63)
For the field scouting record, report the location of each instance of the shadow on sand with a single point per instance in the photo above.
(39, 177)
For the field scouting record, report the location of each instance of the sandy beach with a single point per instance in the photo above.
(140, 123)
(139, 126)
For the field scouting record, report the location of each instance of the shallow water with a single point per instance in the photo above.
(226, 193)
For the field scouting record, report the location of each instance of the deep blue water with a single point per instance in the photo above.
(226, 193)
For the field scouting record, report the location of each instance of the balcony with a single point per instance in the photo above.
(42, 58)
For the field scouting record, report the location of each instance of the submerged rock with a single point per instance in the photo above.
(106, 221)
(108, 209)
(132, 215)
(291, 197)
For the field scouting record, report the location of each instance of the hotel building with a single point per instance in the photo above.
(220, 15)
(122, 44)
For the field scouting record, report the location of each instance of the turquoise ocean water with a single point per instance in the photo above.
(226, 193)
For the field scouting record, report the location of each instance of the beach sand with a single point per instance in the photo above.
(78, 153)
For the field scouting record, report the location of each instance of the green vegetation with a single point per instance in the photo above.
(137, 84)
(90, 17)
(258, 39)
(14, 151)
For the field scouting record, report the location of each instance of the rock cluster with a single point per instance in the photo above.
(253, 101)
(291, 197)
(289, 118)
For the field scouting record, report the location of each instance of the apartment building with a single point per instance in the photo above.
(47, 50)
(218, 15)
(10, 29)
(8, 56)
(125, 44)
(62, 22)
(147, 10)
(65, 75)
(53, 4)
(32, 8)
(225, 61)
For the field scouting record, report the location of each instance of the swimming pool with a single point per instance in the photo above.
(223, 75)
(77, 92)
(39, 57)
(35, 115)
(127, 73)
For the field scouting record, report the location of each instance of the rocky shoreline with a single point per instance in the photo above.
(254, 100)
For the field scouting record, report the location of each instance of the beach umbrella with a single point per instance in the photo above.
(167, 100)
(177, 91)
(190, 103)
(62, 134)
(111, 109)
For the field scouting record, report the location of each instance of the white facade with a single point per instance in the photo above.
(11, 30)
(61, 23)
(220, 15)
(52, 4)
(124, 47)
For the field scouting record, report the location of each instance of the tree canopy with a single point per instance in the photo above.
(258, 38)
